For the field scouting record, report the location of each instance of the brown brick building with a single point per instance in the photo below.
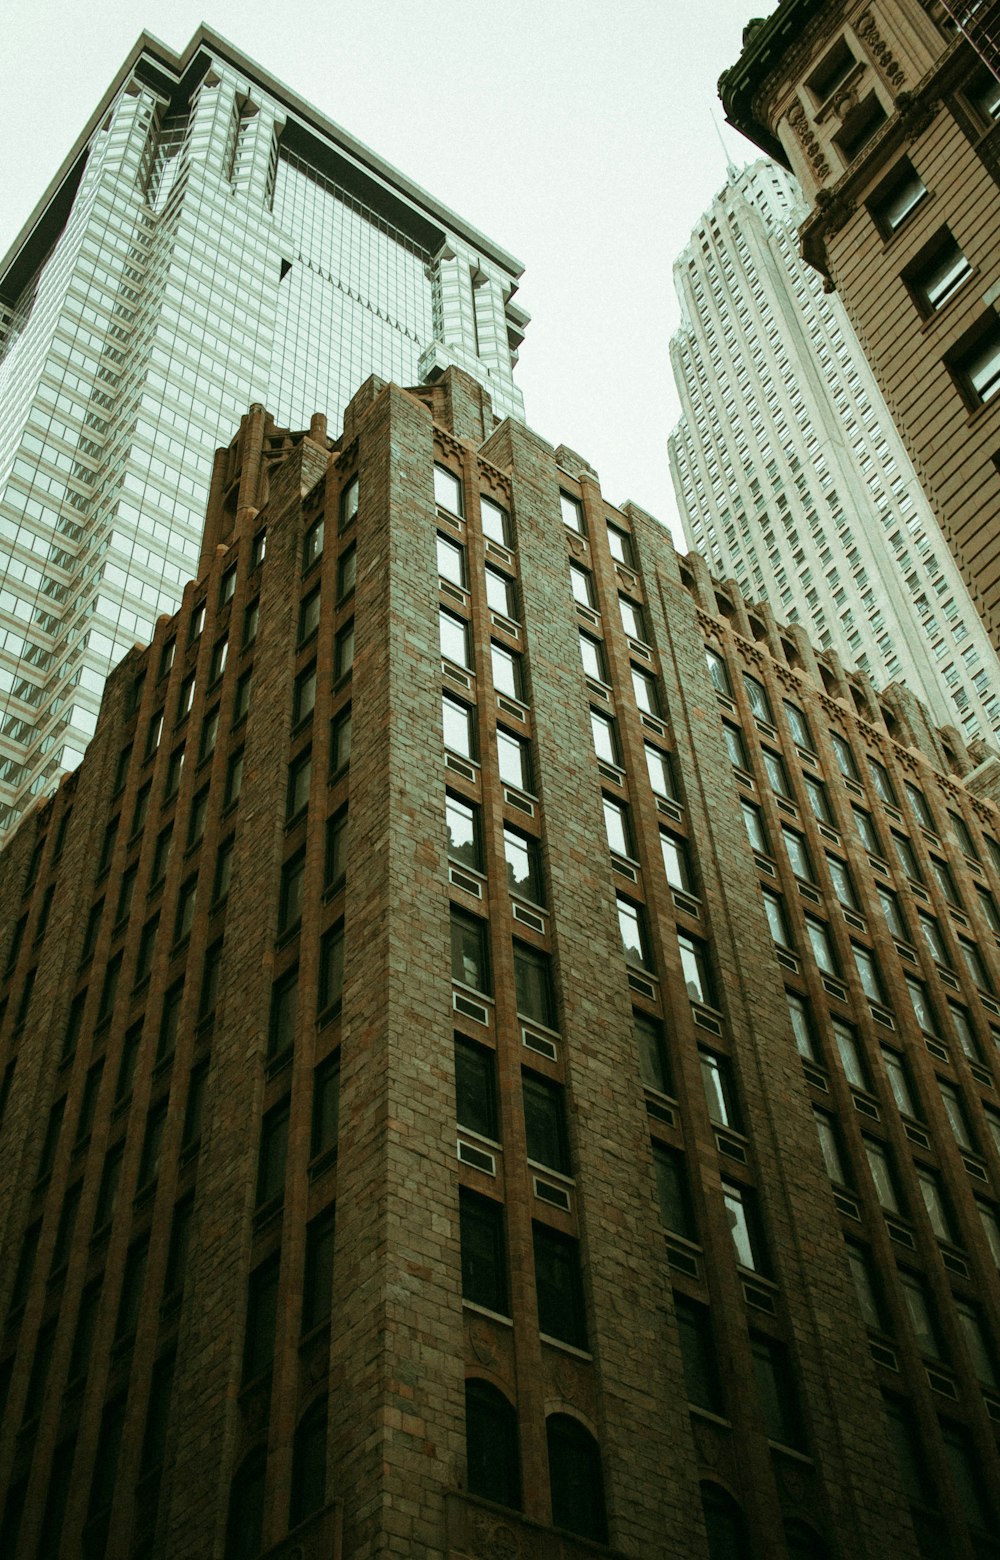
(889, 116)
(638, 1018)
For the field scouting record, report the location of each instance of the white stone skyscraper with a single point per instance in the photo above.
(790, 474)
(210, 241)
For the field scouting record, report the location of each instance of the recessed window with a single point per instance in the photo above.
(293, 875)
(897, 198)
(514, 759)
(523, 855)
(983, 92)
(593, 658)
(882, 1175)
(937, 273)
(776, 1389)
(802, 1028)
(453, 633)
(450, 560)
(272, 1153)
(299, 779)
(462, 823)
(308, 615)
(672, 1192)
(701, 1374)
(545, 1122)
(317, 1285)
(774, 909)
(234, 779)
(582, 586)
(469, 951)
(495, 521)
(484, 1256)
(777, 774)
(251, 622)
(735, 746)
(476, 1103)
(822, 945)
(757, 698)
(349, 504)
(558, 1286)
(605, 737)
(858, 127)
(718, 671)
(798, 854)
(197, 621)
(258, 549)
(347, 572)
(571, 510)
(695, 969)
(720, 1092)
(448, 491)
(508, 671)
(493, 1465)
(304, 695)
(633, 618)
(227, 586)
(533, 985)
(618, 826)
(459, 722)
(975, 363)
(834, 68)
(576, 1481)
(284, 1006)
(620, 544)
(325, 1106)
(223, 869)
(652, 1051)
(660, 771)
(634, 933)
(340, 741)
(741, 1216)
(844, 756)
(644, 688)
(676, 862)
(331, 967)
(185, 908)
(501, 593)
(343, 651)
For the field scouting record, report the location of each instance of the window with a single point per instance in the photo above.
(951, 1099)
(757, 698)
(868, 973)
(448, 490)
(660, 771)
(284, 1004)
(217, 665)
(858, 127)
(223, 869)
(932, 1192)
(558, 1286)
(945, 880)
(245, 1522)
(774, 909)
(937, 273)
(776, 773)
(484, 1258)
(450, 560)
(272, 1154)
(454, 638)
(107, 1194)
(258, 549)
(340, 741)
(459, 726)
(921, 1317)
(185, 698)
(798, 725)
(545, 1122)
(326, 1106)
(251, 622)
(918, 802)
(829, 1147)
(973, 1333)
(605, 737)
(343, 651)
(88, 1105)
(304, 694)
(197, 621)
(897, 198)
(501, 593)
(234, 779)
(644, 688)
(718, 672)
(210, 977)
(635, 937)
(676, 863)
(620, 544)
(821, 944)
(898, 1075)
(592, 656)
(347, 572)
(741, 1215)
(293, 874)
(618, 826)
(149, 1163)
(184, 918)
(524, 865)
(701, 1373)
(893, 915)
(209, 734)
(319, 1270)
(851, 1058)
(199, 813)
(157, 1415)
(652, 1052)
(331, 967)
(103, 863)
(170, 1016)
(575, 1478)
(514, 759)
(582, 585)
(126, 1069)
(965, 1032)
(493, 1467)
(798, 853)
(754, 821)
(262, 1315)
(167, 655)
(975, 964)
(109, 989)
(720, 1094)
(988, 906)
(672, 1192)
(975, 363)
(469, 951)
(349, 504)
(571, 510)
(508, 671)
(495, 522)
(906, 857)
(777, 1393)
(835, 66)
(801, 1021)
(867, 832)
(844, 756)
(533, 985)
(695, 970)
(308, 615)
(843, 885)
(299, 778)
(921, 1004)
(882, 1175)
(735, 746)
(633, 619)
(462, 823)
(881, 783)
(476, 1104)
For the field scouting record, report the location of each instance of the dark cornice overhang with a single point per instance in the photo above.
(766, 42)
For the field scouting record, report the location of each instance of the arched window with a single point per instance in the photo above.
(727, 1531)
(576, 1480)
(803, 1542)
(246, 1508)
(491, 1442)
(309, 1464)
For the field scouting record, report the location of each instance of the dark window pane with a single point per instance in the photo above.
(492, 1456)
(576, 1479)
(475, 1089)
(545, 1122)
(317, 1291)
(484, 1264)
(558, 1286)
(701, 1375)
(533, 983)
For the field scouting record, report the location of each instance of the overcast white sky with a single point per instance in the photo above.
(580, 136)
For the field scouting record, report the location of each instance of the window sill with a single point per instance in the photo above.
(484, 1310)
(567, 1348)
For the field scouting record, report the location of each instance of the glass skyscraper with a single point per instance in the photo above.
(790, 474)
(210, 242)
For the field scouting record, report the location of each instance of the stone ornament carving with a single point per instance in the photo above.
(866, 28)
(482, 1344)
(836, 208)
(578, 546)
(915, 113)
(447, 445)
(806, 137)
(495, 1540)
